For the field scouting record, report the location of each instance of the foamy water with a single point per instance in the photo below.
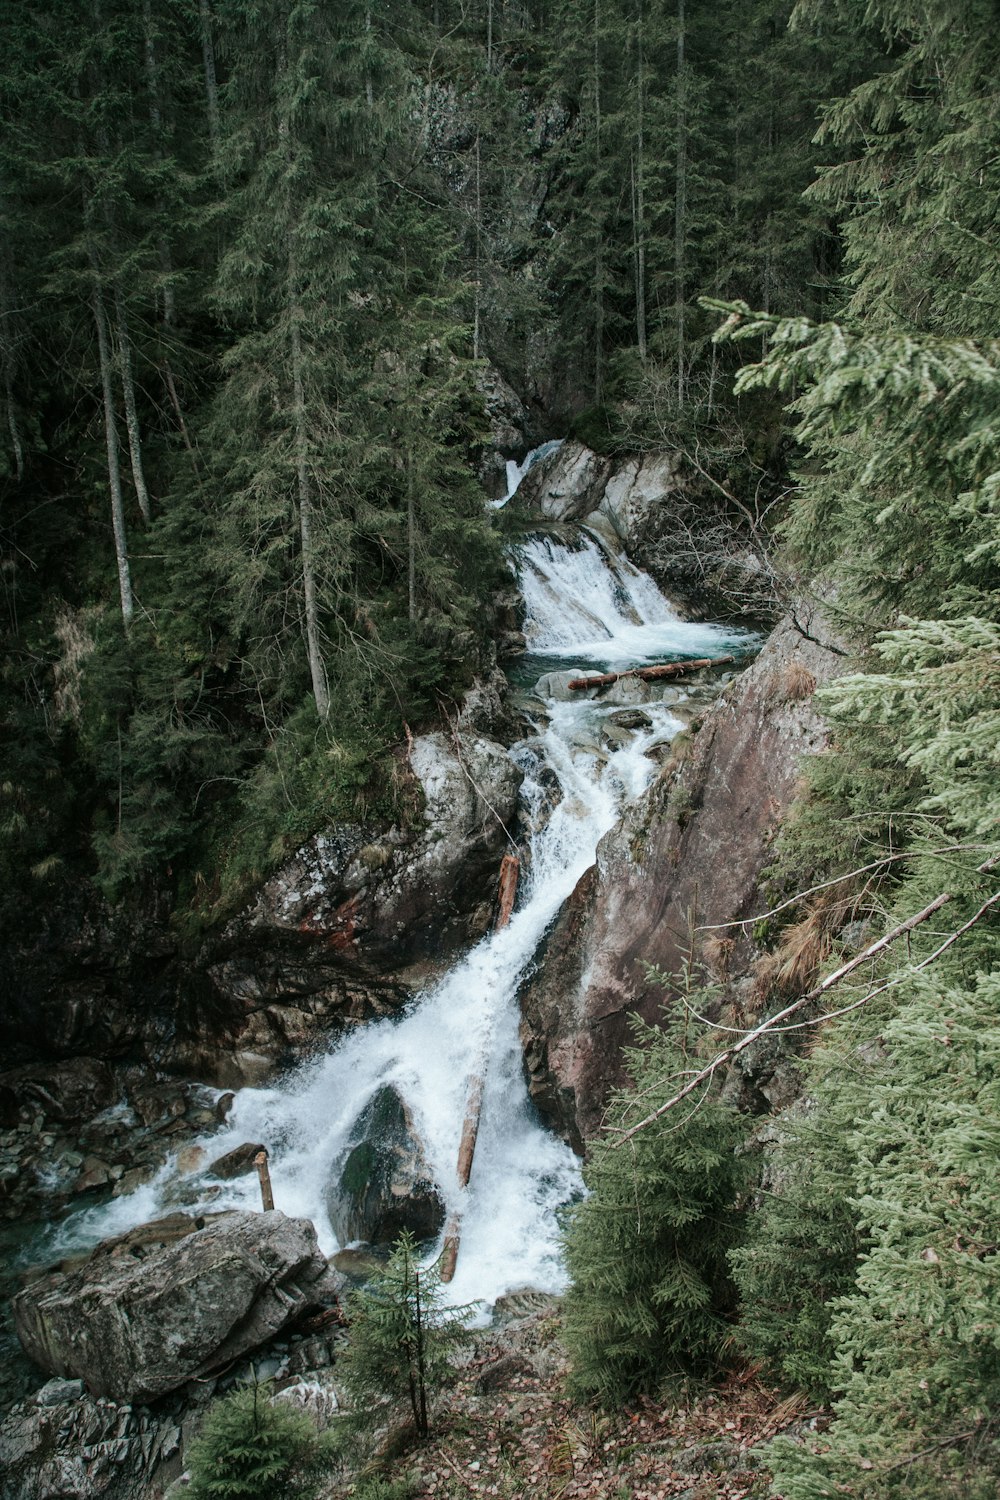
(522, 1173)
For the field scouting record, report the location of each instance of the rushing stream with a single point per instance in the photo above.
(583, 608)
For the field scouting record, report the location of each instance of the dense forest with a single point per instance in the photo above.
(260, 264)
(263, 262)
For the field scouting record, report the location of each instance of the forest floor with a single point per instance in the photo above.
(508, 1429)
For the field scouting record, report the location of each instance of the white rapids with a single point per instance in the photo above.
(581, 606)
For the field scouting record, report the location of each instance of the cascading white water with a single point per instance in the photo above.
(592, 606)
(522, 1173)
(516, 471)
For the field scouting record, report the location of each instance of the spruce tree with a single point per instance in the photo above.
(401, 1337)
(650, 1297)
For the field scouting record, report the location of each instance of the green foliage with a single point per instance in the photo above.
(401, 1336)
(252, 1447)
(650, 1296)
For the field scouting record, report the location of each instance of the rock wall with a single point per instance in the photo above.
(336, 936)
(691, 850)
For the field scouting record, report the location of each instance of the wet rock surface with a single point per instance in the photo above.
(694, 846)
(174, 1301)
(384, 1186)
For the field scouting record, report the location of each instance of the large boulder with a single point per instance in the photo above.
(148, 1312)
(384, 1185)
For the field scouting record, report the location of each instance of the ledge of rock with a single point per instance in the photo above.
(151, 1310)
(397, 898)
(696, 843)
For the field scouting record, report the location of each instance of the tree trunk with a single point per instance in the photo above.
(211, 82)
(599, 247)
(114, 471)
(411, 541)
(317, 667)
(651, 674)
(156, 123)
(638, 196)
(8, 344)
(680, 200)
(479, 220)
(131, 415)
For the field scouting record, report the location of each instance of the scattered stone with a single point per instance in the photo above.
(132, 1178)
(223, 1105)
(190, 1160)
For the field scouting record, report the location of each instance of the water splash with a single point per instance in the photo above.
(577, 598)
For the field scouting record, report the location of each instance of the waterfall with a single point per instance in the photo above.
(580, 605)
(516, 471)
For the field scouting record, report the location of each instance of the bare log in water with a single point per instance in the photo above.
(266, 1196)
(510, 868)
(650, 674)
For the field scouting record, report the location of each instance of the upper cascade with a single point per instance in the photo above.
(585, 600)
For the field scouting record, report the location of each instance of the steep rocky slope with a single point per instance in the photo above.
(690, 853)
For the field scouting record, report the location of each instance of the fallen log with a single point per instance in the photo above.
(650, 674)
(509, 871)
(510, 867)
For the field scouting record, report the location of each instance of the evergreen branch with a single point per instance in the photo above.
(872, 951)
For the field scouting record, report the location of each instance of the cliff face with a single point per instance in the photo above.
(338, 935)
(691, 851)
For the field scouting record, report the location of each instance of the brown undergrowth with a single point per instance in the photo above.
(507, 1430)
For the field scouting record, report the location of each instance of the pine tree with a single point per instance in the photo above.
(401, 1336)
(650, 1296)
(252, 1447)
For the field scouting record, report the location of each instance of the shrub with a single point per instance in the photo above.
(252, 1448)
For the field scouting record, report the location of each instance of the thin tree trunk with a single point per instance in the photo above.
(156, 124)
(131, 415)
(489, 35)
(639, 206)
(211, 82)
(599, 250)
(317, 668)
(479, 220)
(114, 471)
(411, 541)
(680, 196)
(8, 339)
(369, 90)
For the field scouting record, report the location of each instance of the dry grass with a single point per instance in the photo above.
(797, 682)
(72, 631)
(791, 968)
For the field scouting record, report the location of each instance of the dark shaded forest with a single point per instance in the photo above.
(262, 265)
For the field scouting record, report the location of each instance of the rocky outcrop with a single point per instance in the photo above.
(692, 849)
(682, 530)
(63, 1443)
(384, 1185)
(156, 1308)
(396, 897)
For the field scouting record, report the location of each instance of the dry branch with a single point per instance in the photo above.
(872, 951)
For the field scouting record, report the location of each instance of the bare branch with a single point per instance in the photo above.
(773, 1022)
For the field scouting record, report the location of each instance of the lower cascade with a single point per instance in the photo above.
(583, 608)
